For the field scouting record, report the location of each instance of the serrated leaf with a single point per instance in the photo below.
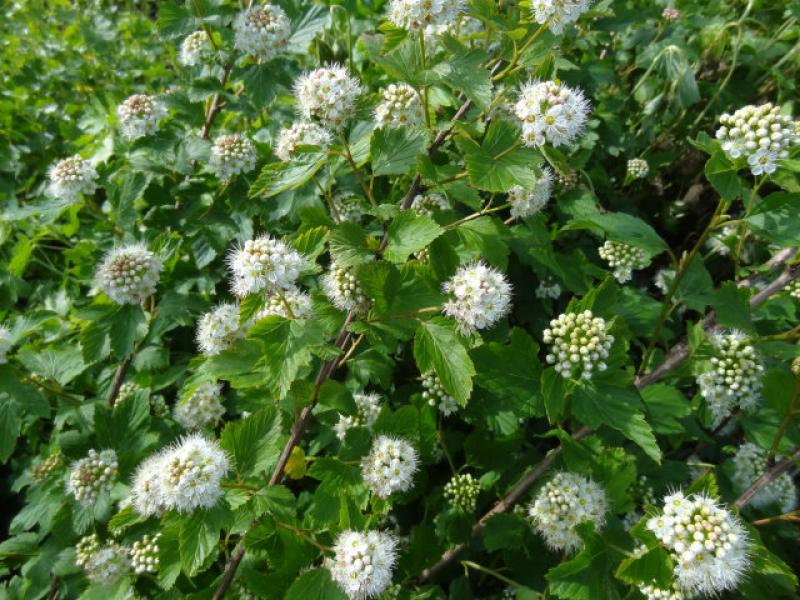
(654, 567)
(395, 150)
(278, 177)
(349, 245)
(409, 233)
(254, 443)
(437, 347)
(622, 227)
(314, 585)
(499, 164)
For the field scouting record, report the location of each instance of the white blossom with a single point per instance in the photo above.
(363, 563)
(368, 407)
(219, 329)
(623, 258)
(428, 204)
(479, 296)
(144, 554)
(139, 116)
(551, 112)
(638, 168)
(86, 548)
(750, 463)
(129, 274)
(564, 502)
(342, 289)
(327, 94)
(107, 564)
(548, 288)
(72, 177)
(671, 14)
(262, 30)
(203, 407)
(652, 592)
(400, 105)
(195, 49)
(231, 155)
(416, 14)
(579, 344)
(390, 466)
(435, 394)
(707, 542)
(299, 134)
(528, 202)
(192, 472)
(792, 288)
(264, 264)
(557, 14)
(5, 343)
(146, 487)
(462, 492)
(299, 305)
(91, 475)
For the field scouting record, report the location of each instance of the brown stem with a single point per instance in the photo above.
(119, 377)
(787, 419)
(216, 103)
(776, 471)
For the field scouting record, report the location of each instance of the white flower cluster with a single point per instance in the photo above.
(203, 408)
(793, 288)
(94, 473)
(564, 502)
(43, 469)
(232, 154)
(401, 106)
(195, 49)
(734, 378)
(264, 263)
(750, 463)
(462, 492)
(85, 549)
(671, 14)
(390, 466)
(219, 329)
(103, 563)
(72, 177)
(144, 554)
(707, 542)
(558, 13)
(479, 296)
(183, 477)
(301, 134)
(551, 112)
(5, 343)
(580, 344)
(347, 207)
(526, 203)
(651, 592)
(368, 407)
(548, 288)
(638, 168)
(129, 274)
(139, 116)
(623, 258)
(328, 94)
(261, 30)
(363, 563)
(759, 133)
(342, 289)
(427, 204)
(126, 391)
(416, 14)
(435, 394)
(299, 305)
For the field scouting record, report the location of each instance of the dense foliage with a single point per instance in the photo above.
(401, 300)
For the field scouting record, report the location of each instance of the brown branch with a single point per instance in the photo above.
(771, 475)
(216, 102)
(119, 377)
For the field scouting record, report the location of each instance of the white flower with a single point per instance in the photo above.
(792, 288)
(651, 592)
(219, 329)
(299, 305)
(671, 14)
(638, 168)
(341, 287)
(564, 502)
(327, 94)
(558, 13)
(435, 394)
(548, 288)
(139, 116)
(427, 204)
(86, 548)
(551, 112)
(261, 30)
(759, 133)
(301, 134)
(401, 106)
(264, 263)
(734, 377)
(663, 280)
(231, 155)
(479, 296)
(129, 274)
(707, 542)
(108, 564)
(144, 554)
(347, 207)
(146, 487)
(203, 407)
(623, 258)
(390, 466)
(579, 344)
(526, 203)
(91, 475)
(195, 49)
(72, 177)
(5, 343)
(750, 463)
(462, 492)
(362, 564)
(192, 471)
(414, 14)
(368, 407)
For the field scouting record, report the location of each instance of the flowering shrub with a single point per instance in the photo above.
(405, 300)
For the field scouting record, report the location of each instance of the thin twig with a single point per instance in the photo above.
(119, 378)
(776, 471)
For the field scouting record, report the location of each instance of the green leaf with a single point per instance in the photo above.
(582, 577)
(395, 150)
(696, 288)
(437, 347)
(174, 20)
(126, 325)
(464, 72)
(504, 531)
(721, 173)
(409, 233)
(349, 245)
(554, 392)
(199, 538)
(314, 585)
(654, 567)
(254, 443)
(665, 405)
(276, 500)
(10, 423)
(509, 371)
(334, 475)
(622, 227)
(732, 306)
(499, 163)
(278, 177)
(776, 219)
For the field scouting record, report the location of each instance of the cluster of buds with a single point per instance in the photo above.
(203, 407)
(72, 177)
(652, 592)
(401, 106)
(528, 202)
(551, 112)
(750, 463)
(390, 466)
(327, 94)
(638, 168)
(139, 116)
(262, 264)
(342, 289)
(289, 304)
(86, 548)
(479, 296)
(232, 154)
(129, 274)
(580, 344)
(793, 289)
(435, 395)
(623, 258)
(422, 14)
(760, 134)
(262, 30)
(368, 407)
(428, 204)
(670, 14)
(103, 563)
(363, 563)
(301, 134)
(558, 13)
(127, 391)
(219, 329)
(43, 469)
(548, 288)
(195, 49)
(91, 475)
(144, 554)
(347, 207)
(462, 492)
